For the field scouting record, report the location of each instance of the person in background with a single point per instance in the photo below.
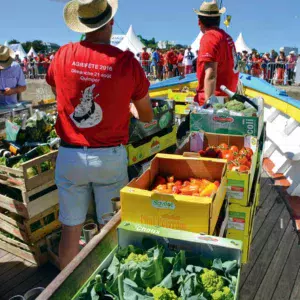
(93, 117)
(272, 66)
(195, 62)
(160, 64)
(46, 63)
(291, 60)
(12, 79)
(171, 62)
(256, 69)
(18, 59)
(217, 60)
(25, 66)
(145, 59)
(188, 60)
(154, 63)
(280, 66)
(180, 58)
(266, 66)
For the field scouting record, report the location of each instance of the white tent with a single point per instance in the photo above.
(32, 52)
(131, 42)
(196, 44)
(241, 45)
(18, 49)
(6, 44)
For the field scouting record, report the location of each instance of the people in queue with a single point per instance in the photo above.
(93, 117)
(291, 64)
(280, 66)
(12, 79)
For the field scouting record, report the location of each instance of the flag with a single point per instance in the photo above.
(227, 21)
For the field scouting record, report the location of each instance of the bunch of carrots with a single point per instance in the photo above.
(192, 187)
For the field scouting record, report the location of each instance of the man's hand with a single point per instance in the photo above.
(144, 109)
(9, 92)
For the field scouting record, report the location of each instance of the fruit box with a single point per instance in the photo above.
(182, 109)
(207, 247)
(238, 184)
(164, 117)
(211, 121)
(183, 97)
(194, 214)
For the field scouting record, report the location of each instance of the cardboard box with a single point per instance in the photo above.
(246, 245)
(188, 213)
(179, 96)
(164, 117)
(209, 247)
(209, 120)
(182, 109)
(239, 185)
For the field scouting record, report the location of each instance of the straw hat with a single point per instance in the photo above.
(210, 9)
(7, 57)
(89, 15)
(281, 49)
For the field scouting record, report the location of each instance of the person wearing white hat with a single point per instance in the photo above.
(217, 59)
(12, 79)
(292, 60)
(95, 84)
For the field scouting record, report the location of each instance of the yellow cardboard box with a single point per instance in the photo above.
(188, 213)
(182, 109)
(246, 245)
(180, 96)
(239, 185)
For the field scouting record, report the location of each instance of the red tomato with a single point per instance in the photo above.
(247, 152)
(186, 191)
(178, 183)
(176, 190)
(227, 154)
(186, 183)
(243, 169)
(234, 149)
(242, 160)
(223, 146)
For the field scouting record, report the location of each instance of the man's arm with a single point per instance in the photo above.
(53, 90)
(142, 109)
(210, 80)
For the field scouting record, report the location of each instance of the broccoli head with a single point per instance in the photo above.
(224, 294)
(161, 293)
(211, 281)
(235, 105)
(138, 258)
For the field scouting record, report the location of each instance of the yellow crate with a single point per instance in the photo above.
(182, 109)
(156, 145)
(31, 230)
(180, 96)
(246, 245)
(194, 214)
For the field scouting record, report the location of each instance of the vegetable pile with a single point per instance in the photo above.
(137, 274)
(192, 187)
(238, 159)
(237, 107)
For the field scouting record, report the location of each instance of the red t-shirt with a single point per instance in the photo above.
(145, 57)
(171, 58)
(180, 58)
(95, 85)
(217, 46)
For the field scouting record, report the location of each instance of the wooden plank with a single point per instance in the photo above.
(2, 253)
(8, 265)
(14, 206)
(289, 274)
(15, 242)
(261, 238)
(265, 189)
(11, 221)
(272, 276)
(15, 231)
(255, 277)
(296, 289)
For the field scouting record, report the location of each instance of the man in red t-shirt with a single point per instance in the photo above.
(145, 59)
(217, 59)
(95, 84)
(171, 62)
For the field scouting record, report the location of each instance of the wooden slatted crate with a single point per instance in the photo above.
(31, 230)
(21, 179)
(35, 253)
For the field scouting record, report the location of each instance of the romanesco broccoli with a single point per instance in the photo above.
(218, 106)
(211, 281)
(161, 293)
(224, 294)
(138, 258)
(235, 105)
(249, 112)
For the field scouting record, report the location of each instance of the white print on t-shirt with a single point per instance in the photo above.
(92, 66)
(88, 113)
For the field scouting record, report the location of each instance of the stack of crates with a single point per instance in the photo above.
(182, 99)
(28, 209)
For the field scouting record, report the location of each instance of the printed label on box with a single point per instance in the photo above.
(237, 221)
(163, 204)
(235, 189)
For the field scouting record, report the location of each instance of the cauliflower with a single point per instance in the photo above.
(138, 258)
(235, 105)
(224, 294)
(211, 281)
(161, 293)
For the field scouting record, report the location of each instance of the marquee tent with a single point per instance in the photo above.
(32, 52)
(18, 49)
(196, 44)
(131, 42)
(241, 45)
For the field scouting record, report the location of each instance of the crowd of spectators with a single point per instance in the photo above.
(275, 68)
(164, 64)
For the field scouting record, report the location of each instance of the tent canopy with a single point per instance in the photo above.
(32, 52)
(196, 44)
(131, 42)
(241, 45)
(18, 49)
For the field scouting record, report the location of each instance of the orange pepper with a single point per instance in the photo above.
(170, 185)
(186, 191)
(161, 187)
(170, 179)
(209, 190)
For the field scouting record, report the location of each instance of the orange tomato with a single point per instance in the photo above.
(170, 179)
(186, 191)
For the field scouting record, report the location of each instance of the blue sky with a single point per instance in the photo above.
(265, 24)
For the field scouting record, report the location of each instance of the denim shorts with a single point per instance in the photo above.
(80, 173)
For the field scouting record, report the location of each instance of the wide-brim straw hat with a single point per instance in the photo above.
(210, 9)
(85, 16)
(7, 57)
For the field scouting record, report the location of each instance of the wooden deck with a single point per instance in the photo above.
(273, 272)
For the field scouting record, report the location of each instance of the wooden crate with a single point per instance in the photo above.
(52, 241)
(31, 230)
(19, 178)
(35, 253)
(28, 204)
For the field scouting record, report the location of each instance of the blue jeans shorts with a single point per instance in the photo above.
(80, 173)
